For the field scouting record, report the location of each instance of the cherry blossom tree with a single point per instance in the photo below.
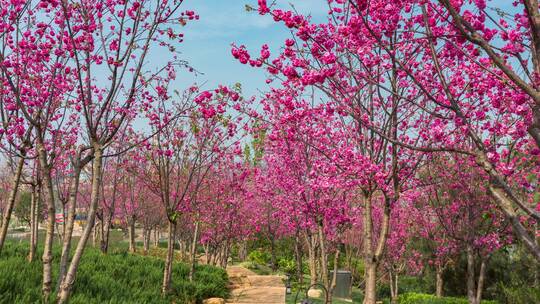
(193, 136)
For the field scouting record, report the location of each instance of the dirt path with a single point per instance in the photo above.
(248, 287)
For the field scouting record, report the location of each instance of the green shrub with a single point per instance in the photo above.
(112, 278)
(422, 298)
(407, 284)
(287, 265)
(259, 257)
(517, 294)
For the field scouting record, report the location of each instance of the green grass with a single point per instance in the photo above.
(118, 277)
(407, 298)
(421, 298)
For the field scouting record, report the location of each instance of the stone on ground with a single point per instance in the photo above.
(214, 301)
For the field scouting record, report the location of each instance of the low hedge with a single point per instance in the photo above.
(112, 278)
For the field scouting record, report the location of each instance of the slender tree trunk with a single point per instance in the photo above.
(217, 255)
(396, 288)
(33, 223)
(323, 258)
(192, 257)
(471, 294)
(273, 259)
(481, 279)
(132, 246)
(242, 252)
(370, 275)
(210, 258)
(182, 248)
(298, 255)
(146, 242)
(439, 285)
(206, 253)
(348, 256)
(392, 286)
(223, 263)
(11, 202)
(334, 275)
(105, 231)
(70, 223)
(214, 252)
(156, 237)
(49, 237)
(95, 233)
(312, 259)
(225, 255)
(372, 257)
(167, 272)
(69, 280)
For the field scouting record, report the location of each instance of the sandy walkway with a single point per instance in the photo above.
(248, 287)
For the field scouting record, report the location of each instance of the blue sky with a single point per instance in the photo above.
(207, 42)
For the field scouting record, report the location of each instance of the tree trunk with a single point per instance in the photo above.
(34, 207)
(95, 233)
(391, 284)
(323, 258)
(69, 280)
(372, 257)
(49, 199)
(471, 294)
(242, 252)
(370, 277)
(105, 231)
(370, 274)
(334, 275)
(481, 278)
(70, 223)
(146, 242)
(312, 259)
(11, 202)
(192, 256)
(182, 248)
(394, 287)
(156, 237)
(167, 272)
(132, 246)
(439, 282)
(273, 259)
(225, 255)
(298, 256)
(213, 256)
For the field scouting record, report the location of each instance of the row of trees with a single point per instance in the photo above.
(424, 108)
(75, 82)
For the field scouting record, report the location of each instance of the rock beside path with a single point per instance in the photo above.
(214, 301)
